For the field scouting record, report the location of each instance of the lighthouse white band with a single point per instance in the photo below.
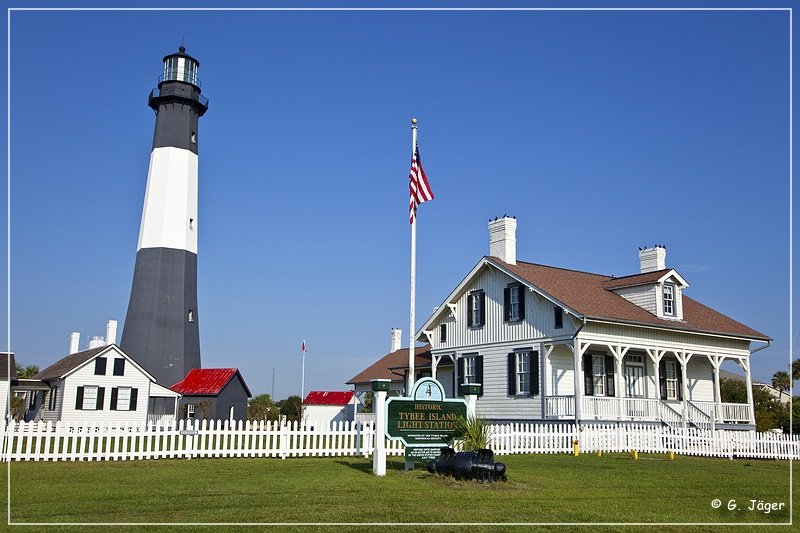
(169, 216)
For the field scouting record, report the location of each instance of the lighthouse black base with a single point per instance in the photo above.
(161, 327)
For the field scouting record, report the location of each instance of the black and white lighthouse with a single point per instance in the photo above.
(161, 326)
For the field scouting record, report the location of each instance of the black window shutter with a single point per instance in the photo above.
(479, 372)
(119, 367)
(521, 294)
(512, 374)
(460, 375)
(100, 394)
(79, 399)
(507, 304)
(114, 393)
(100, 366)
(469, 310)
(483, 308)
(588, 379)
(610, 376)
(680, 382)
(534, 373)
(134, 397)
(662, 378)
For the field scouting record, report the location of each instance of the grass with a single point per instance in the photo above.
(541, 489)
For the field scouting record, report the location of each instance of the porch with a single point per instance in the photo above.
(672, 413)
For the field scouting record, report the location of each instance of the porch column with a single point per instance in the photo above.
(619, 383)
(578, 377)
(434, 363)
(684, 387)
(716, 361)
(655, 355)
(745, 364)
(544, 354)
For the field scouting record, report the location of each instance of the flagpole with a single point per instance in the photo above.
(411, 329)
(303, 374)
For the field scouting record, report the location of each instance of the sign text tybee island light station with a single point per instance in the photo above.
(426, 418)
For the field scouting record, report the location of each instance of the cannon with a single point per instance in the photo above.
(478, 465)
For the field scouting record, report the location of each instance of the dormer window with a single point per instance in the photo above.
(669, 299)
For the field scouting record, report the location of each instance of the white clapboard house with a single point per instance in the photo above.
(549, 343)
(101, 384)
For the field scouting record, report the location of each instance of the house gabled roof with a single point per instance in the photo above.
(590, 296)
(8, 367)
(382, 368)
(318, 397)
(67, 365)
(648, 278)
(207, 381)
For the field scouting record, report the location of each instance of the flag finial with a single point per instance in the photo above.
(414, 121)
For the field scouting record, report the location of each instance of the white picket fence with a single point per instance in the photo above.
(39, 441)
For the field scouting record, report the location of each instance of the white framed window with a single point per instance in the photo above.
(599, 375)
(513, 304)
(671, 376)
(470, 369)
(124, 399)
(89, 398)
(475, 308)
(523, 373)
(669, 299)
(190, 410)
(230, 413)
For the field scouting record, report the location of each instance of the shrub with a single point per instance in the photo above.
(472, 433)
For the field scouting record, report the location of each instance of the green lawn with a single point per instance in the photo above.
(541, 489)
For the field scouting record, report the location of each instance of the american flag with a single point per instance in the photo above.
(418, 187)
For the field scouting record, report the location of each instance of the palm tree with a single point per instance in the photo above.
(26, 372)
(782, 382)
(795, 370)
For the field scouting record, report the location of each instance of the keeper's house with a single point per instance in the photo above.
(101, 384)
(549, 343)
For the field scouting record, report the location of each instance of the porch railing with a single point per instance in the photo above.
(640, 409)
(560, 406)
(730, 412)
(600, 407)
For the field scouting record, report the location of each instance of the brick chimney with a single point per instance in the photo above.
(503, 239)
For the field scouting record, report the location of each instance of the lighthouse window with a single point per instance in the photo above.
(191, 316)
(191, 223)
(194, 137)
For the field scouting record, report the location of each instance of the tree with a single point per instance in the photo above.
(291, 408)
(782, 382)
(768, 412)
(261, 408)
(795, 370)
(17, 407)
(26, 372)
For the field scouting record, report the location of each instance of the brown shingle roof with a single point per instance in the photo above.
(7, 365)
(590, 295)
(381, 369)
(65, 364)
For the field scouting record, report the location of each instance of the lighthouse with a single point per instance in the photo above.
(161, 326)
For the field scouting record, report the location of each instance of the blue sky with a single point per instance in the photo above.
(600, 131)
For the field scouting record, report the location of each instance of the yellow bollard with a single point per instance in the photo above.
(671, 456)
(575, 450)
(600, 453)
(635, 455)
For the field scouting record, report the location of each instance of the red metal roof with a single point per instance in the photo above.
(204, 381)
(318, 397)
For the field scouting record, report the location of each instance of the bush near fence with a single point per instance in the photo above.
(40, 441)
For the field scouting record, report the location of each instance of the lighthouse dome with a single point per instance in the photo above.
(180, 66)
